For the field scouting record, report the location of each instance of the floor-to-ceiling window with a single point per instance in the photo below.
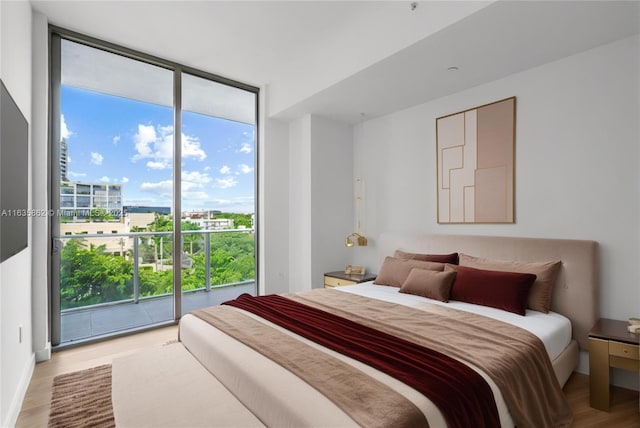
(153, 189)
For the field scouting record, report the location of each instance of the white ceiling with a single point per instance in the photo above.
(89, 68)
(343, 58)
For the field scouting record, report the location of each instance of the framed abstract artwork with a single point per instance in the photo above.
(475, 152)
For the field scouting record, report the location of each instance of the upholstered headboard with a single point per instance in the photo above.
(576, 294)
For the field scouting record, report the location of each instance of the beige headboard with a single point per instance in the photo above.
(576, 294)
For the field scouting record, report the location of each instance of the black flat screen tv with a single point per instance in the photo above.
(14, 177)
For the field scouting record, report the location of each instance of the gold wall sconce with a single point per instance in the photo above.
(355, 239)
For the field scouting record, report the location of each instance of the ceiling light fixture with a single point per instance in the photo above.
(414, 5)
(452, 68)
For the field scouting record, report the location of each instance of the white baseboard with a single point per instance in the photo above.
(21, 391)
(44, 354)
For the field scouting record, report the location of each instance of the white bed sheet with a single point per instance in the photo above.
(553, 329)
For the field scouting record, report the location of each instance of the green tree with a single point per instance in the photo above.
(232, 257)
(163, 243)
(238, 219)
(89, 276)
(191, 242)
(155, 283)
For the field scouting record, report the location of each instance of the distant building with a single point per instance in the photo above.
(139, 221)
(79, 199)
(63, 160)
(218, 224)
(205, 219)
(117, 245)
(205, 214)
(139, 209)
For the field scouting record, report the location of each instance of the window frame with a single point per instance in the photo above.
(56, 35)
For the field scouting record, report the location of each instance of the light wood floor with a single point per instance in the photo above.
(35, 409)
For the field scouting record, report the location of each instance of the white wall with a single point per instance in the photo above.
(577, 163)
(299, 204)
(320, 199)
(17, 361)
(332, 196)
(274, 206)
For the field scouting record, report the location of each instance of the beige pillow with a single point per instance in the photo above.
(439, 258)
(542, 289)
(428, 283)
(394, 271)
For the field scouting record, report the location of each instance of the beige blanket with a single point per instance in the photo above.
(514, 358)
(367, 401)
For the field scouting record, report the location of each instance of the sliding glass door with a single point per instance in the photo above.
(139, 238)
(217, 192)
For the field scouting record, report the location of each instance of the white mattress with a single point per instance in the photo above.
(553, 329)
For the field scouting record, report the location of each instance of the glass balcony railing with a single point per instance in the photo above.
(107, 269)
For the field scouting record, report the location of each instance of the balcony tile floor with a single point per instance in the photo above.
(98, 321)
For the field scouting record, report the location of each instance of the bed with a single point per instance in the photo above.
(277, 374)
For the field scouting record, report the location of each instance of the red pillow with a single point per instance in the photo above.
(502, 290)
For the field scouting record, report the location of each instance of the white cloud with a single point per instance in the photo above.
(195, 177)
(163, 164)
(145, 136)
(246, 148)
(116, 139)
(190, 189)
(207, 168)
(96, 158)
(245, 169)
(163, 188)
(223, 201)
(195, 195)
(225, 183)
(104, 179)
(189, 185)
(191, 148)
(168, 129)
(225, 170)
(72, 174)
(68, 159)
(157, 144)
(124, 180)
(64, 130)
(239, 204)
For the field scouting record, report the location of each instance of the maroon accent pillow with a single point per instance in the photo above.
(439, 258)
(545, 272)
(508, 291)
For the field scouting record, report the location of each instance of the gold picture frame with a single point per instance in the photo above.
(475, 155)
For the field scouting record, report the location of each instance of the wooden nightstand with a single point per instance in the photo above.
(339, 278)
(610, 345)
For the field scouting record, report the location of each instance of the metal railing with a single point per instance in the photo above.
(135, 253)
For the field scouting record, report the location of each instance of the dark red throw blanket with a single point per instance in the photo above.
(462, 395)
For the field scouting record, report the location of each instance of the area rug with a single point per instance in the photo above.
(82, 399)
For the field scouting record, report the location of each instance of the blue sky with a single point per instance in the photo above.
(119, 140)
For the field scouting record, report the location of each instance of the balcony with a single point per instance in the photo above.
(114, 282)
(99, 320)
